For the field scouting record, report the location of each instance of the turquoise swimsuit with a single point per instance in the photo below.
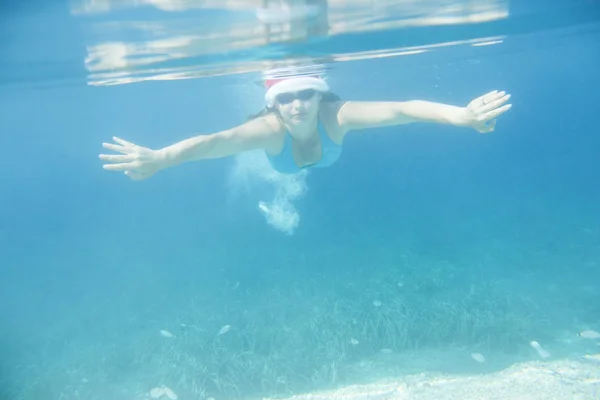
(284, 161)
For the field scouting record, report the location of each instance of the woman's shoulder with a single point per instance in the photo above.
(331, 109)
(329, 117)
(274, 123)
(271, 127)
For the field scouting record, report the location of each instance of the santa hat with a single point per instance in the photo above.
(275, 87)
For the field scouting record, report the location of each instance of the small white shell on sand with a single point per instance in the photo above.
(543, 353)
(224, 329)
(170, 393)
(159, 392)
(592, 357)
(166, 334)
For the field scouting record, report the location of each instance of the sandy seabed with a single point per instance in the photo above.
(556, 380)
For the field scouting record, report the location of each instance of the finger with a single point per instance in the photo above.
(481, 101)
(495, 113)
(136, 176)
(484, 98)
(495, 103)
(115, 147)
(118, 167)
(122, 142)
(492, 96)
(116, 158)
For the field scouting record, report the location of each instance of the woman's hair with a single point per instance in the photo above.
(327, 97)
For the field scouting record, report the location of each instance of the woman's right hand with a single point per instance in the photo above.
(136, 161)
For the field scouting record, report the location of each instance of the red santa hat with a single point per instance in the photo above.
(277, 86)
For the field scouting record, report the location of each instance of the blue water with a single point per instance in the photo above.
(421, 240)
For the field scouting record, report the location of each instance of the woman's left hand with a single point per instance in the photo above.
(482, 112)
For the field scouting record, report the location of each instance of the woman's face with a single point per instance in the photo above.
(298, 107)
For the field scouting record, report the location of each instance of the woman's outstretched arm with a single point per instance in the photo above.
(139, 162)
(480, 114)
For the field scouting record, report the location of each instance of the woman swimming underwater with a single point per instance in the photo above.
(302, 126)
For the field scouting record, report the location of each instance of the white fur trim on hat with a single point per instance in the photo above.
(294, 85)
